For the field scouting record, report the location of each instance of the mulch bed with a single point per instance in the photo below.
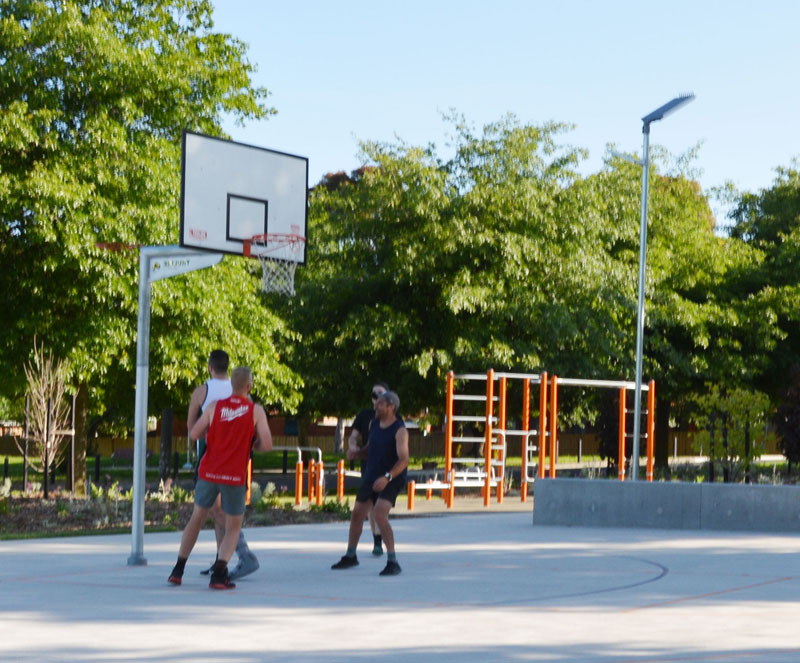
(32, 516)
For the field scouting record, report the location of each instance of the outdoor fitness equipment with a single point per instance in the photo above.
(538, 445)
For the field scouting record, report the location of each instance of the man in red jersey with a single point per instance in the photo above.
(231, 424)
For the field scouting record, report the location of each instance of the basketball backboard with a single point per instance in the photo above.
(231, 191)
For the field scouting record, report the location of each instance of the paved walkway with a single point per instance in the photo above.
(475, 587)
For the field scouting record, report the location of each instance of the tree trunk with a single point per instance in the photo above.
(81, 440)
(165, 450)
(303, 424)
(338, 436)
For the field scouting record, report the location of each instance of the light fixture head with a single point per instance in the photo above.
(667, 108)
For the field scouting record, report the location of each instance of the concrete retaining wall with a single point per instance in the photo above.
(674, 505)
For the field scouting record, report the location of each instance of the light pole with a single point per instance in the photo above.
(647, 120)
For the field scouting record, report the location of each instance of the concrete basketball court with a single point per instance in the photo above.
(474, 587)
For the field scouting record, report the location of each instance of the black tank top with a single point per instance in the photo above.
(382, 452)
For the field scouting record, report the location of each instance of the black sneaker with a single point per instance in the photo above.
(392, 569)
(206, 572)
(175, 576)
(346, 562)
(221, 582)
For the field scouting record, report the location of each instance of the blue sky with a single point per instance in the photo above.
(372, 70)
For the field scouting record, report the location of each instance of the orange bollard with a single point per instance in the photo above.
(542, 421)
(311, 479)
(526, 417)
(501, 490)
(320, 477)
(487, 436)
(298, 483)
(340, 480)
(412, 486)
(651, 427)
(448, 431)
(249, 480)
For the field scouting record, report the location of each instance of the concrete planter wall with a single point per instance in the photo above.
(674, 505)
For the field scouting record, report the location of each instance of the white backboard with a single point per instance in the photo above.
(232, 191)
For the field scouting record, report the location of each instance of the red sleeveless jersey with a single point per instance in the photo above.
(228, 442)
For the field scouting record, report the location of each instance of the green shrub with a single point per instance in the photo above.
(269, 498)
(334, 507)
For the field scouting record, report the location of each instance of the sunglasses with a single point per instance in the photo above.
(376, 395)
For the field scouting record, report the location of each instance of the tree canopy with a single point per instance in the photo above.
(504, 256)
(93, 98)
(501, 255)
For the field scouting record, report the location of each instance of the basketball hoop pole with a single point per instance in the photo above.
(155, 263)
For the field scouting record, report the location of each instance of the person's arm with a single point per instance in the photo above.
(401, 439)
(352, 445)
(200, 427)
(195, 403)
(263, 433)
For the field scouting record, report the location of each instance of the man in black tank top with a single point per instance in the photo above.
(383, 479)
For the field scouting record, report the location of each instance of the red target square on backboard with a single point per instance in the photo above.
(231, 191)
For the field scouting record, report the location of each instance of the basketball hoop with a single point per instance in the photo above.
(279, 255)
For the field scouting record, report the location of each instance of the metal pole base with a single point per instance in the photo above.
(137, 560)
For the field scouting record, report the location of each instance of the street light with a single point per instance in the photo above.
(658, 114)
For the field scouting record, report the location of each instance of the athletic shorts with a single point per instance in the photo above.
(234, 498)
(389, 493)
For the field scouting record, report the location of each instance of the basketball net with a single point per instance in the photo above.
(277, 272)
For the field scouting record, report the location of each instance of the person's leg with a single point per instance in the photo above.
(233, 525)
(220, 578)
(357, 518)
(381, 511)
(248, 562)
(192, 530)
(219, 520)
(188, 539)
(233, 505)
(219, 528)
(377, 548)
(381, 514)
(360, 514)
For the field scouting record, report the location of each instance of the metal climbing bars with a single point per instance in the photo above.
(479, 417)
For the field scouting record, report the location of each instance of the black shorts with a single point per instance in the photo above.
(389, 493)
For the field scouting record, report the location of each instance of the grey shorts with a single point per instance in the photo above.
(234, 498)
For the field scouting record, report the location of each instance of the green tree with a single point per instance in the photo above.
(699, 325)
(768, 223)
(93, 97)
(419, 266)
(787, 419)
(732, 428)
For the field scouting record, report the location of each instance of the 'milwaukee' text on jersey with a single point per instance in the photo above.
(228, 442)
(229, 414)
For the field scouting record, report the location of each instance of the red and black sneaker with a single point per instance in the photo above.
(221, 582)
(176, 575)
